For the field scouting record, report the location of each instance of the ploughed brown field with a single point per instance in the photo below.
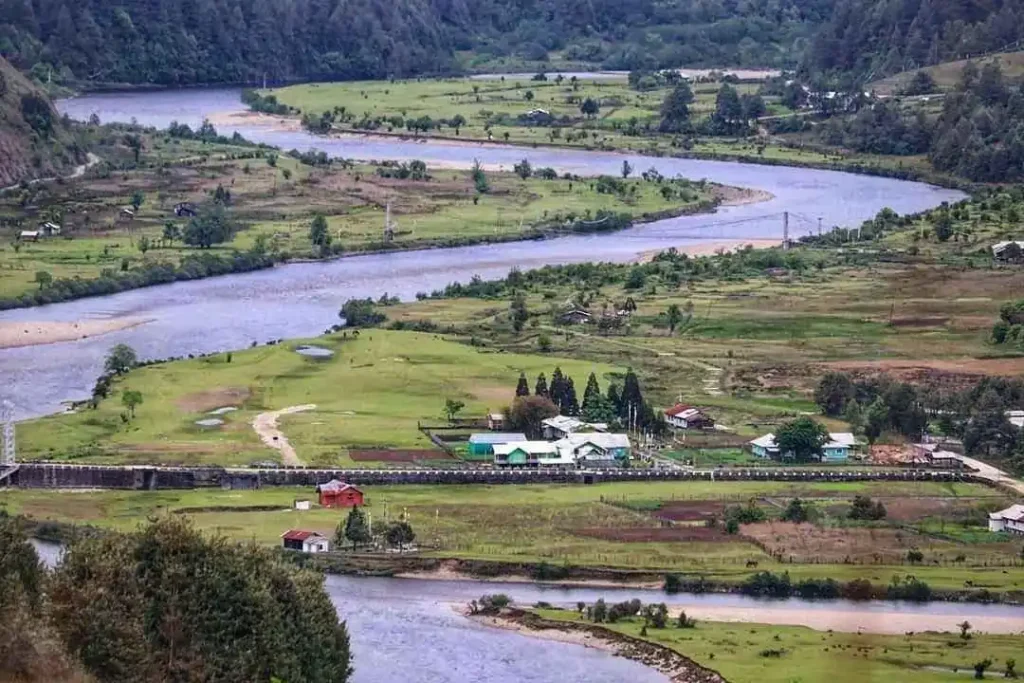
(681, 534)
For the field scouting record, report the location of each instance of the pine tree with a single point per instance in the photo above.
(556, 390)
(631, 402)
(523, 387)
(592, 389)
(541, 388)
(614, 399)
(356, 530)
(572, 405)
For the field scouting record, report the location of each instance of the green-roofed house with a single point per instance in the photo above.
(484, 443)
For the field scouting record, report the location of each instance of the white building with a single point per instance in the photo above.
(306, 541)
(561, 426)
(838, 448)
(1010, 520)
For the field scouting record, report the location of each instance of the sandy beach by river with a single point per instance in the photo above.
(14, 333)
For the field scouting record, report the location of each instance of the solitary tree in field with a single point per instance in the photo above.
(319, 235)
(674, 315)
(797, 511)
(523, 169)
(171, 232)
(120, 360)
(131, 399)
(528, 95)
(452, 408)
(965, 629)
(144, 244)
(354, 529)
(590, 108)
(627, 168)
(518, 312)
(43, 279)
(137, 199)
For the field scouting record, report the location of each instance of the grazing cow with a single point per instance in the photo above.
(751, 564)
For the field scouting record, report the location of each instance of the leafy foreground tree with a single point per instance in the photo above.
(29, 649)
(168, 603)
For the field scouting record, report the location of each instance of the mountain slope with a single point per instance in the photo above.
(185, 42)
(33, 140)
(877, 38)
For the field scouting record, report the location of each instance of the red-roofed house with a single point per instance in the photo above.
(687, 417)
(306, 541)
(338, 494)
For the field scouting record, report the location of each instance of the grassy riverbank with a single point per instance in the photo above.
(273, 197)
(371, 395)
(507, 110)
(762, 653)
(620, 526)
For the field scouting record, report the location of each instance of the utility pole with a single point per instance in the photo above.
(785, 229)
(8, 457)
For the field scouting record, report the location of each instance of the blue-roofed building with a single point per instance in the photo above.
(483, 443)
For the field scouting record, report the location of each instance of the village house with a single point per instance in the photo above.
(1008, 251)
(596, 449)
(838, 448)
(574, 316)
(495, 421)
(1010, 520)
(561, 426)
(48, 229)
(305, 541)
(688, 417)
(338, 494)
(29, 235)
(531, 454)
(588, 449)
(301, 504)
(185, 210)
(484, 443)
(933, 455)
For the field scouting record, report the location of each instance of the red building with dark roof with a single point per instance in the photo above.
(338, 494)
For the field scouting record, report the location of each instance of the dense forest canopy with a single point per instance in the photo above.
(978, 135)
(218, 41)
(875, 38)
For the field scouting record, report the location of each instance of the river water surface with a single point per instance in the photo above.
(300, 300)
(408, 629)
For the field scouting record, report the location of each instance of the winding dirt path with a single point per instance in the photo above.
(265, 425)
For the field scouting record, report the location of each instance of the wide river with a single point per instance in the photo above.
(408, 629)
(303, 299)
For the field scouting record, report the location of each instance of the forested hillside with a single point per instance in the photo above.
(33, 140)
(875, 38)
(218, 41)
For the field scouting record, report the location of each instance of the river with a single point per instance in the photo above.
(301, 300)
(388, 620)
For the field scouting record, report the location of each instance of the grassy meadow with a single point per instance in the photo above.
(740, 652)
(371, 394)
(605, 525)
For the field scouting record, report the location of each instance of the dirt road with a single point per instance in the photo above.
(265, 425)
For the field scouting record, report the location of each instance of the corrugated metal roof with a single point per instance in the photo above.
(300, 535)
(496, 437)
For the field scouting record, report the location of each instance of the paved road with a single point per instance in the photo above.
(994, 474)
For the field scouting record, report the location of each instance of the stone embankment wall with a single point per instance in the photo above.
(51, 475)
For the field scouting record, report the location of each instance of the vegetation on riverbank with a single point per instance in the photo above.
(748, 652)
